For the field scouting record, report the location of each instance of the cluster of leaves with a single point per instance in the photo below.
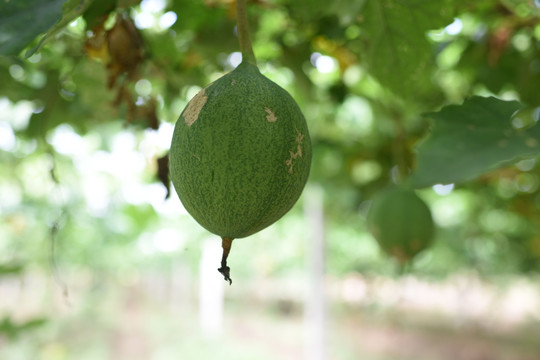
(399, 72)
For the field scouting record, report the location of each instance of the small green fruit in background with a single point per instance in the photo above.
(240, 155)
(401, 223)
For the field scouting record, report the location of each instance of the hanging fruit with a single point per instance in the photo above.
(241, 152)
(401, 223)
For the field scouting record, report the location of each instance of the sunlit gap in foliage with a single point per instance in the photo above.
(144, 20)
(521, 42)
(17, 115)
(150, 15)
(452, 209)
(365, 171)
(352, 75)
(324, 64)
(153, 6)
(234, 59)
(78, 26)
(67, 142)
(167, 20)
(34, 59)
(7, 137)
(143, 87)
(355, 117)
(526, 165)
(16, 72)
(442, 190)
(127, 162)
(165, 240)
(454, 28)
(536, 114)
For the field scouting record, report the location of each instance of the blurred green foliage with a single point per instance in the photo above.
(82, 128)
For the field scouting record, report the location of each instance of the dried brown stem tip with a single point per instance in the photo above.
(224, 269)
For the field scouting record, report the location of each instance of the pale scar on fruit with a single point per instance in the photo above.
(196, 156)
(298, 153)
(194, 107)
(270, 116)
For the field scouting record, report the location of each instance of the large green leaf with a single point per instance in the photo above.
(98, 11)
(471, 139)
(71, 10)
(399, 54)
(22, 20)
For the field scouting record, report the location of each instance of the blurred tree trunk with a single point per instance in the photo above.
(315, 312)
(211, 290)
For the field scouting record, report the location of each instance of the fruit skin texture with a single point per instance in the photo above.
(401, 223)
(240, 154)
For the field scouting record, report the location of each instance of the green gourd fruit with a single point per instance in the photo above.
(401, 223)
(240, 155)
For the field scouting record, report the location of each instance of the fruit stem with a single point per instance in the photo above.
(243, 33)
(402, 268)
(226, 244)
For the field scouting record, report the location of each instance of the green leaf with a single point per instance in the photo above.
(345, 10)
(6, 270)
(22, 20)
(523, 8)
(399, 54)
(471, 139)
(96, 13)
(12, 330)
(71, 10)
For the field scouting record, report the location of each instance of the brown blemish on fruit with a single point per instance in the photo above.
(194, 107)
(298, 153)
(270, 116)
